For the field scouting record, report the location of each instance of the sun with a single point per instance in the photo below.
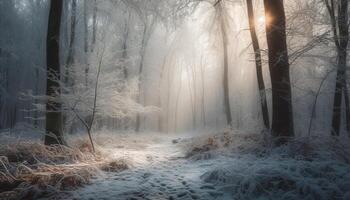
(261, 20)
(264, 19)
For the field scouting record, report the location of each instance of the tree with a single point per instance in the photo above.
(258, 64)
(70, 58)
(282, 109)
(54, 133)
(103, 99)
(148, 17)
(220, 10)
(94, 25)
(339, 17)
(125, 43)
(86, 42)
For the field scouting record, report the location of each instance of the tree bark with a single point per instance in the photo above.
(54, 133)
(282, 111)
(258, 64)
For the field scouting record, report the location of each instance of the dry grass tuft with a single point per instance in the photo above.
(235, 142)
(115, 166)
(208, 144)
(301, 148)
(30, 170)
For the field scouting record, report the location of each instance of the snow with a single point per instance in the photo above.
(159, 171)
(162, 167)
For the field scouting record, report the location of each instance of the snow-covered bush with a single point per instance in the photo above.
(305, 168)
(98, 90)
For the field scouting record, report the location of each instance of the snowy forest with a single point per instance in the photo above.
(174, 99)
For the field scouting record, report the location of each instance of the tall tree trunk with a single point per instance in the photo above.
(340, 29)
(142, 59)
(69, 79)
(160, 114)
(338, 94)
(125, 46)
(282, 111)
(347, 107)
(177, 105)
(69, 72)
(125, 57)
(258, 64)
(226, 82)
(54, 133)
(192, 94)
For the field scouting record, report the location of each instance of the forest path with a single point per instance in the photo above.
(159, 171)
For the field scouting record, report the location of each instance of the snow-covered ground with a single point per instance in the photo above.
(159, 171)
(239, 167)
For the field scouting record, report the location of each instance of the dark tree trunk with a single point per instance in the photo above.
(282, 111)
(54, 133)
(340, 29)
(347, 107)
(258, 63)
(338, 95)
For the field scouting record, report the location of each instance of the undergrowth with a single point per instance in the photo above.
(30, 170)
(252, 167)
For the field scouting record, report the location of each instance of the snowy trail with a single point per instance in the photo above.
(159, 171)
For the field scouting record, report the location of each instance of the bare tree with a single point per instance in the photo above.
(88, 123)
(282, 109)
(68, 78)
(148, 18)
(339, 17)
(258, 64)
(219, 6)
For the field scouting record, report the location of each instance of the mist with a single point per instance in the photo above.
(179, 84)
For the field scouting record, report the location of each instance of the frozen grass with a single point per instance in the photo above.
(306, 168)
(223, 166)
(210, 145)
(29, 169)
